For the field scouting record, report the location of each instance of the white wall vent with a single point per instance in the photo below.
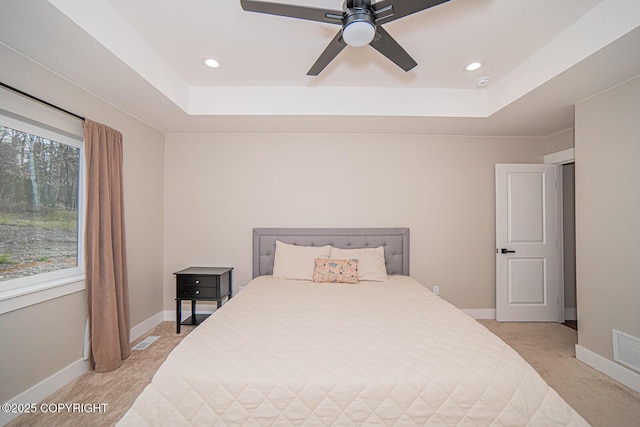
(626, 350)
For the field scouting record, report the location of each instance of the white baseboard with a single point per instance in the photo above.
(609, 368)
(147, 325)
(481, 313)
(46, 387)
(490, 313)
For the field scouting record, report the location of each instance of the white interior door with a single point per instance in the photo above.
(528, 282)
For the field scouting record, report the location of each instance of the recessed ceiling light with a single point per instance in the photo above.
(213, 63)
(473, 66)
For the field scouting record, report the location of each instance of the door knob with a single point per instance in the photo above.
(507, 251)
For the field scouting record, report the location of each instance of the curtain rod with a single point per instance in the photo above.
(48, 104)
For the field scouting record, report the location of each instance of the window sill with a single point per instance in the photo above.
(15, 298)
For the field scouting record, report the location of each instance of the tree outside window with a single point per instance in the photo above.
(39, 194)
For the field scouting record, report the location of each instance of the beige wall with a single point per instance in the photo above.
(39, 340)
(607, 216)
(218, 187)
(559, 141)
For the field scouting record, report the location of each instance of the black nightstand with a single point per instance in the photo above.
(201, 284)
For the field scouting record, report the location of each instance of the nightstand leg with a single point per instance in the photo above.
(193, 312)
(178, 314)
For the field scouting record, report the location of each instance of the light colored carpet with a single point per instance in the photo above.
(548, 347)
(118, 389)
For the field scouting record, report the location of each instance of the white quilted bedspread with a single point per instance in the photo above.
(376, 353)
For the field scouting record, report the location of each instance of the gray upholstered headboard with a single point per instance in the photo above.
(394, 240)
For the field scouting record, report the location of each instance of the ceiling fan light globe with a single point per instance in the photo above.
(358, 33)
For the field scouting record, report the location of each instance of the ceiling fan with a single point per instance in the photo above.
(361, 23)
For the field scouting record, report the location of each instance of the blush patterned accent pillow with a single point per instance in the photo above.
(335, 270)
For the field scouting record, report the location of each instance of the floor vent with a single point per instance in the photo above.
(145, 342)
(626, 350)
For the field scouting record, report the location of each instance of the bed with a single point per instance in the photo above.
(376, 352)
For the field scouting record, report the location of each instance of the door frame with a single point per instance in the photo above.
(560, 158)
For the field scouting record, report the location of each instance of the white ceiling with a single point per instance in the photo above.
(146, 57)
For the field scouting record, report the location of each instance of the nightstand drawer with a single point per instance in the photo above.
(195, 291)
(202, 281)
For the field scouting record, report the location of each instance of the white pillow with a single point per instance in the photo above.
(297, 262)
(371, 264)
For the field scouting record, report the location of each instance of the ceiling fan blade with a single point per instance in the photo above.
(386, 45)
(390, 10)
(331, 51)
(292, 11)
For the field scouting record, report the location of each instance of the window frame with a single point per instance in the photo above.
(25, 291)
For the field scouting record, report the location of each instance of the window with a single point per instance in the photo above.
(41, 208)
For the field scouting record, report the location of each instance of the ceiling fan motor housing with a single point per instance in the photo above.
(358, 26)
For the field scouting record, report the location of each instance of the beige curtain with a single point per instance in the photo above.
(106, 258)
